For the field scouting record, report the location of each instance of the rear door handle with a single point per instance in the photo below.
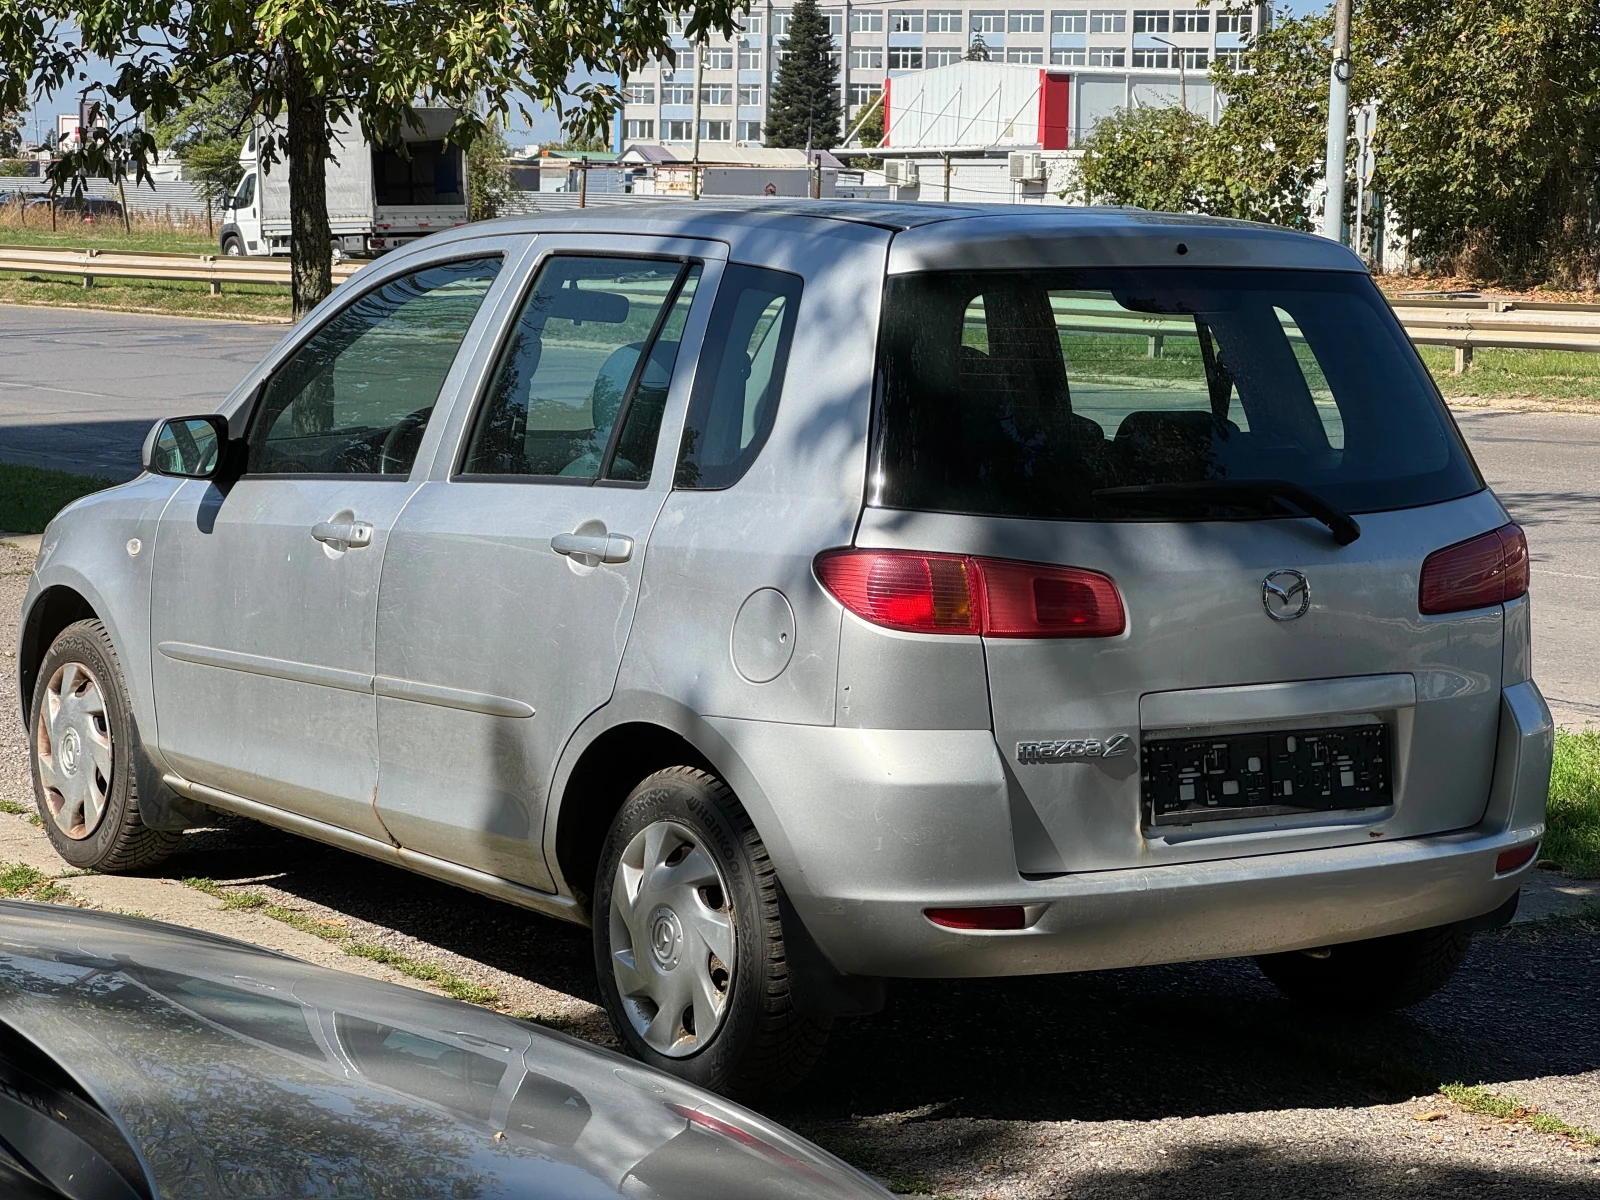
(599, 547)
(343, 535)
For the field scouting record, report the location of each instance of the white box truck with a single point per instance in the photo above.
(378, 197)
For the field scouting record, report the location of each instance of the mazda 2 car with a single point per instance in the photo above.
(809, 595)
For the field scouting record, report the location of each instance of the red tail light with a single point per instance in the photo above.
(1486, 570)
(998, 916)
(952, 593)
(1510, 860)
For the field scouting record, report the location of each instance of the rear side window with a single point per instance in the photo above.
(1028, 393)
(740, 377)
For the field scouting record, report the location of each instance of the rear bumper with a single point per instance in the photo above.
(875, 841)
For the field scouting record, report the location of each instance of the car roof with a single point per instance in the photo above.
(931, 235)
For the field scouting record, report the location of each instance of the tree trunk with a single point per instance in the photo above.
(310, 239)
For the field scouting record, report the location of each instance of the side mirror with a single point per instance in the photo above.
(186, 447)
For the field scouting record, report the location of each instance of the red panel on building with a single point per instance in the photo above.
(1054, 92)
(886, 82)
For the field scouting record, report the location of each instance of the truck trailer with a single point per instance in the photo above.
(379, 197)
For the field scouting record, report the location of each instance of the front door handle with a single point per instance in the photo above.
(593, 548)
(343, 535)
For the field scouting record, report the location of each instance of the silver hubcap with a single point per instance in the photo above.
(74, 750)
(672, 943)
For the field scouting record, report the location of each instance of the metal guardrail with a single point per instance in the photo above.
(215, 269)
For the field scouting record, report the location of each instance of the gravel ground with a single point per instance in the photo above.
(1188, 1080)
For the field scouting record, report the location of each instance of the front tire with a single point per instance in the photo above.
(1373, 975)
(81, 743)
(688, 943)
(233, 246)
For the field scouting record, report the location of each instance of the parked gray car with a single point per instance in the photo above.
(806, 595)
(139, 1061)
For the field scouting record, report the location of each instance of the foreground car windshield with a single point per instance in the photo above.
(1027, 393)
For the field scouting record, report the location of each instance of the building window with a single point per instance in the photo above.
(750, 22)
(719, 58)
(1147, 56)
(716, 93)
(1026, 55)
(866, 21)
(677, 93)
(780, 23)
(1227, 57)
(1069, 58)
(750, 96)
(1105, 20)
(1195, 58)
(866, 58)
(1233, 22)
(987, 22)
(905, 58)
(1072, 20)
(944, 20)
(639, 131)
(1025, 21)
(640, 93)
(943, 56)
(677, 131)
(835, 23)
(1149, 20)
(864, 93)
(1106, 56)
(716, 131)
(749, 131)
(1191, 22)
(905, 20)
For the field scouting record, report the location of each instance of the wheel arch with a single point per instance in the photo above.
(56, 608)
(617, 747)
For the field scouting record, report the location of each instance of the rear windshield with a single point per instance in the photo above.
(1027, 393)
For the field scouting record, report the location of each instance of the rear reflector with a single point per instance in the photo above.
(1003, 916)
(1486, 570)
(951, 593)
(1510, 860)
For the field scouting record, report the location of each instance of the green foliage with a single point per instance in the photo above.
(15, 167)
(31, 496)
(870, 134)
(1148, 157)
(804, 112)
(488, 179)
(1490, 133)
(1572, 839)
(10, 131)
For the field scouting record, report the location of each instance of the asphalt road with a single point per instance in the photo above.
(79, 389)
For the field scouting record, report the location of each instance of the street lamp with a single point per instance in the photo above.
(1177, 53)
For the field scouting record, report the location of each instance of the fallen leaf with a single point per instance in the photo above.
(1437, 1114)
(1436, 1137)
(499, 1136)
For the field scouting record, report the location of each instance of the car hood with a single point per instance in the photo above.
(235, 1071)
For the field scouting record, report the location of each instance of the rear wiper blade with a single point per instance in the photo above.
(1340, 523)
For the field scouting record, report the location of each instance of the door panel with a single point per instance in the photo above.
(509, 590)
(264, 601)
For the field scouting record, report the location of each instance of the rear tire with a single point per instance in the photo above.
(81, 744)
(1373, 975)
(684, 885)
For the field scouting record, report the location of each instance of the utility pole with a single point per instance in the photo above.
(699, 88)
(1338, 123)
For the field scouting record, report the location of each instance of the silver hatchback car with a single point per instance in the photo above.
(806, 595)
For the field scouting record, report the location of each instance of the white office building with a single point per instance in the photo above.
(1115, 56)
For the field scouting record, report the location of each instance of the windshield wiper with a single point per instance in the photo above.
(1340, 523)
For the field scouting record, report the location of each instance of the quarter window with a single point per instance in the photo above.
(571, 372)
(356, 397)
(740, 376)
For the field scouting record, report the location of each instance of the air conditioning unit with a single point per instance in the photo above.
(1027, 166)
(899, 172)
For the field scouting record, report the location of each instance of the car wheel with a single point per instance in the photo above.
(1377, 974)
(232, 246)
(82, 746)
(688, 943)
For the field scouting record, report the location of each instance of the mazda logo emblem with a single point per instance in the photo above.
(1285, 595)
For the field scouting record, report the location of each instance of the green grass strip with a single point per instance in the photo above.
(30, 496)
(25, 882)
(1572, 838)
(1479, 1099)
(448, 982)
(12, 807)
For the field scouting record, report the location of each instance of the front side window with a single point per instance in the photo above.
(356, 397)
(246, 195)
(740, 376)
(574, 394)
(1048, 393)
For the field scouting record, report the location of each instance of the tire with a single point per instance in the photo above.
(1375, 975)
(82, 743)
(705, 850)
(232, 246)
